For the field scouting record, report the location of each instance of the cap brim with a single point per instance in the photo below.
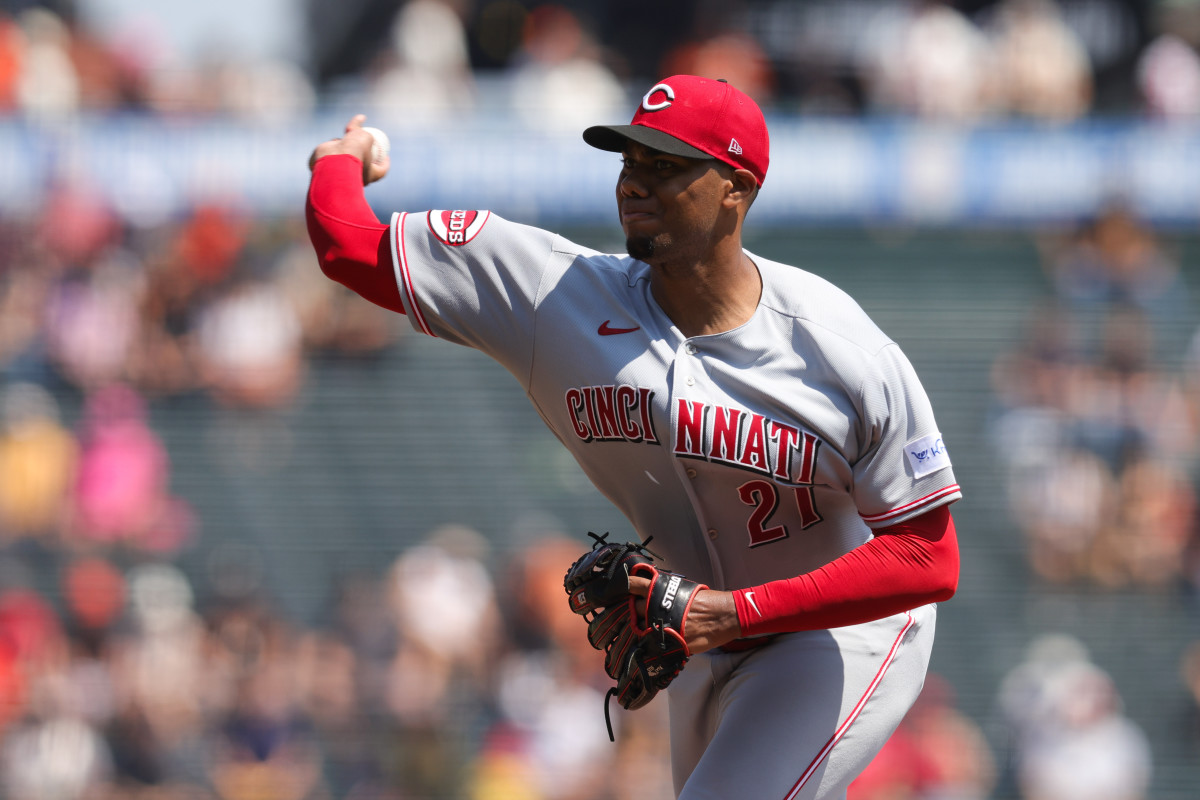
(614, 138)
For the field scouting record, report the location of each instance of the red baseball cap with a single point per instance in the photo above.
(694, 117)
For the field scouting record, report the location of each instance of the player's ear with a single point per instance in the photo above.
(743, 189)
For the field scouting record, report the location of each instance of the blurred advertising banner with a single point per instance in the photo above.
(823, 171)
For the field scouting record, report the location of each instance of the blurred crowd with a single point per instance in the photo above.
(1097, 413)
(1096, 421)
(565, 61)
(448, 676)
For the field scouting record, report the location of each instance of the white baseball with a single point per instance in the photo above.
(381, 147)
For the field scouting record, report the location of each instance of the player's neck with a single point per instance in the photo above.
(708, 298)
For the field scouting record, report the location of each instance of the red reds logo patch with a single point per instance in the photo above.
(456, 228)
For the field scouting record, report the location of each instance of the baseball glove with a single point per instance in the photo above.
(597, 587)
(643, 640)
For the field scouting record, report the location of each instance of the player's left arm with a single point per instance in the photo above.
(906, 565)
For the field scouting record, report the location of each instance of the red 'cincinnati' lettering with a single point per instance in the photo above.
(611, 413)
(745, 440)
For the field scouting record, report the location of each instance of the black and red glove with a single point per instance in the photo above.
(642, 638)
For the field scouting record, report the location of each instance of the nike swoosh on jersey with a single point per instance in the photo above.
(604, 330)
(750, 599)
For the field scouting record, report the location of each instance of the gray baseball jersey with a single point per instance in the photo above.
(751, 455)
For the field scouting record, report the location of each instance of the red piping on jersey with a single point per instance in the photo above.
(895, 512)
(806, 776)
(404, 277)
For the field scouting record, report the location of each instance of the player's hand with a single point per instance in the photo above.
(712, 620)
(358, 143)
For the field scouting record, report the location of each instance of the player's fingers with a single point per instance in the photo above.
(638, 586)
(356, 122)
(376, 170)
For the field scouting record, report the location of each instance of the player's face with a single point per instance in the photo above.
(669, 206)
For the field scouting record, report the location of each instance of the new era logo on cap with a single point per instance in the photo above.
(695, 117)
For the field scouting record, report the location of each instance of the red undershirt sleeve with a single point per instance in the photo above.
(352, 245)
(906, 565)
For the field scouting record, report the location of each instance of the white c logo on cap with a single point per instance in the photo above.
(658, 87)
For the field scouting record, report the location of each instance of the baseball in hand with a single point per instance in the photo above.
(381, 147)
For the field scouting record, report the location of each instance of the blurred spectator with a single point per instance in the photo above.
(329, 685)
(207, 246)
(1168, 68)
(169, 679)
(102, 83)
(121, 494)
(1123, 405)
(184, 274)
(37, 462)
(77, 225)
(266, 92)
(94, 593)
(735, 57)
(1042, 67)
(930, 61)
(444, 604)
(249, 346)
(1067, 734)
(1168, 75)
(11, 45)
(554, 722)
(559, 80)
(25, 289)
(61, 758)
(93, 322)
(48, 86)
(30, 641)
(444, 608)
(264, 746)
(1146, 544)
(1116, 260)
(424, 74)
(1090, 750)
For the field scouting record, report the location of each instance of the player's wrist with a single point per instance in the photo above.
(713, 620)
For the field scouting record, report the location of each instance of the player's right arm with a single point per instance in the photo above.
(351, 243)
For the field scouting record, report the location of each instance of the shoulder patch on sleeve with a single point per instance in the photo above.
(927, 455)
(456, 228)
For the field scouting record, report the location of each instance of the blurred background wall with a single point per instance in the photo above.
(258, 540)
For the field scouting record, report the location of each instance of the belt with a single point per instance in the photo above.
(749, 643)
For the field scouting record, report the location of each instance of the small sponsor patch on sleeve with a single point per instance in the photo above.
(927, 455)
(456, 228)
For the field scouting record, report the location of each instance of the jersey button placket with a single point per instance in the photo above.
(690, 349)
(687, 386)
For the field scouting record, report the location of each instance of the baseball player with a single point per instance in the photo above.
(746, 414)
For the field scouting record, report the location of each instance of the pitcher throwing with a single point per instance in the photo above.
(746, 414)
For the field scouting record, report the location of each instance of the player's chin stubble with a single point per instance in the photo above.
(640, 247)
